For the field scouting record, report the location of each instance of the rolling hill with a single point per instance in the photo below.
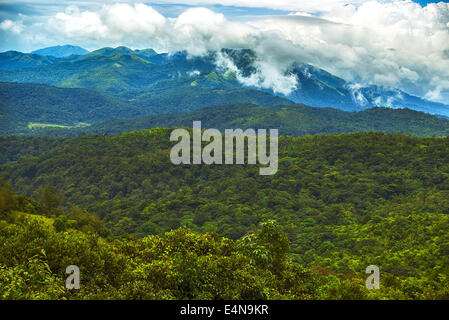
(290, 120)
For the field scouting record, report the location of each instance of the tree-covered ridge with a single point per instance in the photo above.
(290, 120)
(40, 242)
(344, 201)
(35, 109)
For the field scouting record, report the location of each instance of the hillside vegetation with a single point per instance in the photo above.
(25, 103)
(40, 241)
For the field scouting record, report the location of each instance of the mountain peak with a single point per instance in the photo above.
(61, 51)
(109, 51)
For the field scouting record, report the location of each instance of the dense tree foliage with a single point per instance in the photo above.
(343, 202)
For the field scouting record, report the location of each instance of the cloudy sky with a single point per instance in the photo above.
(403, 44)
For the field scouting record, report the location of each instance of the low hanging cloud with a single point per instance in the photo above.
(391, 43)
(267, 75)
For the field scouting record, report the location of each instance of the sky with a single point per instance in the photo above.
(393, 43)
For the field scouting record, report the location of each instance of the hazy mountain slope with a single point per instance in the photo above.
(319, 88)
(10, 60)
(61, 51)
(399, 99)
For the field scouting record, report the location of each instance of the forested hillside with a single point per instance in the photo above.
(40, 241)
(25, 104)
(343, 201)
(24, 107)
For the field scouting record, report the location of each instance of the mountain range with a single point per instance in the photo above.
(139, 76)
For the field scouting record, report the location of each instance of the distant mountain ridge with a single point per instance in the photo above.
(61, 51)
(12, 60)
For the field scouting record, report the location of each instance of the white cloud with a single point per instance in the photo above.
(357, 95)
(196, 30)
(72, 23)
(267, 76)
(115, 23)
(397, 43)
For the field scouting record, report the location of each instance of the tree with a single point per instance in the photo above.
(267, 247)
(8, 200)
(50, 199)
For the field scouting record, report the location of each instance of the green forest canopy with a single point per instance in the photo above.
(342, 201)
